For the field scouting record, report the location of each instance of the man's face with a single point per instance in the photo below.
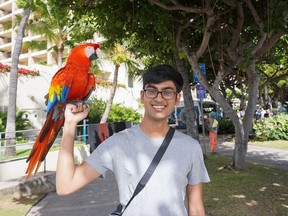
(159, 100)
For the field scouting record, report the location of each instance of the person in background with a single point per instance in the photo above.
(242, 113)
(221, 114)
(213, 129)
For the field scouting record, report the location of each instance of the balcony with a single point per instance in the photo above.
(6, 18)
(6, 33)
(6, 47)
(6, 5)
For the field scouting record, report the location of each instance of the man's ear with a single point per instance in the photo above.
(177, 99)
(142, 96)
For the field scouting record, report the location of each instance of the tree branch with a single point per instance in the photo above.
(236, 34)
(260, 24)
(270, 42)
(177, 6)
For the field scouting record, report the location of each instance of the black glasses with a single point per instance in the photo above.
(153, 93)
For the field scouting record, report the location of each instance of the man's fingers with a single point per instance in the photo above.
(78, 107)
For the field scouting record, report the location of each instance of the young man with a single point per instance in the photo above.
(128, 154)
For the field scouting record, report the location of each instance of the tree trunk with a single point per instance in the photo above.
(112, 94)
(190, 113)
(10, 148)
(243, 129)
(60, 55)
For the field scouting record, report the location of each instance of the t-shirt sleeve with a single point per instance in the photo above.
(101, 158)
(198, 172)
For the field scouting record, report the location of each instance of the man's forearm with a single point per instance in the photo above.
(65, 166)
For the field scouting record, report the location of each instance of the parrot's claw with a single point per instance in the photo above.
(75, 102)
(88, 102)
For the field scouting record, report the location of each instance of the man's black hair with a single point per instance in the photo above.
(161, 73)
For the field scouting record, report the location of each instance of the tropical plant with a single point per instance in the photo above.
(119, 56)
(20, 123)
(272, 128)
(52, 21)
(226, 127)
(1, 124)
(274, 71)
(118, 112)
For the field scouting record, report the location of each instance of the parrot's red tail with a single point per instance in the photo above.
(43, 143)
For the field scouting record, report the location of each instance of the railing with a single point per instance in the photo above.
(27, 140)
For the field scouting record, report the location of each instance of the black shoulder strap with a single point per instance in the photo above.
(152, 165)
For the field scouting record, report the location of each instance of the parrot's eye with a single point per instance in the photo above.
(89, 51)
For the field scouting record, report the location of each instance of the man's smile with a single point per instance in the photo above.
(159, 107)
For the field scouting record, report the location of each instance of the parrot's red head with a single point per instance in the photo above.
(83, 54)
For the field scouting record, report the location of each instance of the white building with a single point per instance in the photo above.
(31, 90)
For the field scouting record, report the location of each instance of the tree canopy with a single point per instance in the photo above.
(230, 37)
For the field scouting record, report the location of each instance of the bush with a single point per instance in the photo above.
(226, 127)
(272, 128)
(21, 123)
(118, 112)
(1, 124)
(96, 110)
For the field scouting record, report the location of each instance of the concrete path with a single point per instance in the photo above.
(98, 198)
(259, 155)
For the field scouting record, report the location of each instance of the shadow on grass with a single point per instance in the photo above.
(259, 190)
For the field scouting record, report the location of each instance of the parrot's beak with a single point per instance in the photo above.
(93, 56)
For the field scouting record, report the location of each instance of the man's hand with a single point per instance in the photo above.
(74, 113)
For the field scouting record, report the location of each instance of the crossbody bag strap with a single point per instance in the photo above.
(147, 175)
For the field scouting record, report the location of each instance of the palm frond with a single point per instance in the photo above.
(35, 45)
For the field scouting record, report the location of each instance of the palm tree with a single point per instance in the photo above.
(53, 22)
(119, 55)
(10, 149)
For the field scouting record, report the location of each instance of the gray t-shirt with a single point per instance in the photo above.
(129, 153)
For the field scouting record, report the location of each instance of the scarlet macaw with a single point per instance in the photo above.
(73, 82)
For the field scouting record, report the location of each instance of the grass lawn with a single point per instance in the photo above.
(259, 191)
(25, 152)
(13, 205)
(276, 144)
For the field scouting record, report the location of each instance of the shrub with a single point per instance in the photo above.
(96, 110)
(21, 123)
(1, 124)
(272, 128)
(118, 112)
(226, 127)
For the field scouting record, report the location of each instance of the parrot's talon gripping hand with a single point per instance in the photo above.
(75, 102)
(71, 84)
(88, 102)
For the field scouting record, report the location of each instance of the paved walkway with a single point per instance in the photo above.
(259, 155)
(98, 198)
(101, 196)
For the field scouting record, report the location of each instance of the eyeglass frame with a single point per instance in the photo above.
(160, 92)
